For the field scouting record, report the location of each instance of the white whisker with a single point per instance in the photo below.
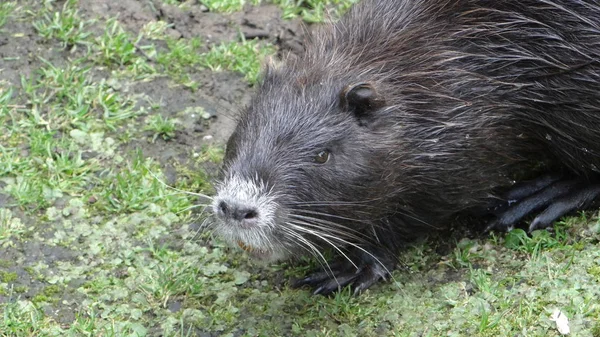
(321, 235)
(177, 189)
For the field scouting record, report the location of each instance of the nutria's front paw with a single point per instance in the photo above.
(551, 196)
(337, 275)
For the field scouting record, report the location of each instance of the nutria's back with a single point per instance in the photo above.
(405, 113)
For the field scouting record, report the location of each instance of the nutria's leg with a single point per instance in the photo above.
(550, 195)
(576, 200)
(365, 270)
(528, 188)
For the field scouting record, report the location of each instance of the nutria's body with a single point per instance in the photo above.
(405, 113)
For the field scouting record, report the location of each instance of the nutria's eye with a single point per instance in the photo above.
(321, 157)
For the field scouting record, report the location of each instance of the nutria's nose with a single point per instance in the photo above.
(246, 216)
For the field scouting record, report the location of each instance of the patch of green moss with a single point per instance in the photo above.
(8, 277)
(29, 270)
(41, 298)
(48, 294)
(6, 263)
(52, 290)
(20, 289)
(594, 271)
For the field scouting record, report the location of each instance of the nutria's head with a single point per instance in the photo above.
(307, 165)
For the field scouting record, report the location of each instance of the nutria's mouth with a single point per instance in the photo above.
(253, 251)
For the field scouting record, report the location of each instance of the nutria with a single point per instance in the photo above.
(406, 113)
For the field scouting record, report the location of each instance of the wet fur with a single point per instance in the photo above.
(477, 93)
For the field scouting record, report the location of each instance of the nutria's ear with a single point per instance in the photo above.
(361, 98)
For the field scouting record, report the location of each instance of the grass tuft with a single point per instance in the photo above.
(161, 127)
(314, 10)
(138, 186)
(65, 25)
(6, 8)
(244, 57)
(228, 6)
(115, 46)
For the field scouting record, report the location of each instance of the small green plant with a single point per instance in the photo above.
(314, 10)
(174, 276)
(48, 294)
(54, 166)
(596, 330)
(57, 160)
(31, 191)
(115, 46)
(465, 252)
(181, 54)
(9, 226)
(115, 108)
(485, 324)
(136, 187)
(211, 153)
(540, 240)
(244, 57)
(481, 279)
(6, 94)
(5, 10)
(59, 96)
(173, 2)
(64, 98)
(130, 189)
(227, 6)
(8, 277)
(21, 318)
(155, 30)
(86, 325)
(161, 127)
(64, 25)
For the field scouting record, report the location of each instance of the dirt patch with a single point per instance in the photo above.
(264, 22)
(220, 94)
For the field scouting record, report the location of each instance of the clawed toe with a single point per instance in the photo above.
(550, 196)
(331, 280)
(578, 199)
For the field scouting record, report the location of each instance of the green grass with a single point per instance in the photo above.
(179, 58)
(314, 10)
(161, 127)
(133, 187)
(21, 318)
(115, 46)
(100, 116)
(9, 225)
(64, 24)
(228, 5)
(308, 10)
(244, 57)
(6, 9)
